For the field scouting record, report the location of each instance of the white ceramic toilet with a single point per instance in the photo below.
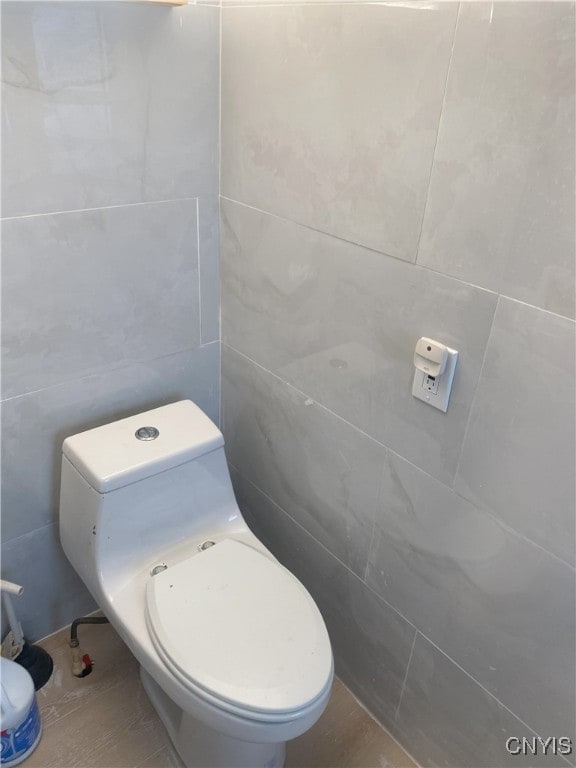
(233, 651)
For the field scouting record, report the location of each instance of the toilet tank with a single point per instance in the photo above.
(137, 487)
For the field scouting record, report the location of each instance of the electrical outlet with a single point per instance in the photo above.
(435, 391)
(430, 384)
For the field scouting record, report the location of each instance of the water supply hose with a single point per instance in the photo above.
(81, 662)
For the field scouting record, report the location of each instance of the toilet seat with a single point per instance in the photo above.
(241, 631)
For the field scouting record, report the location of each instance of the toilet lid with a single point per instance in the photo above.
(241, 627)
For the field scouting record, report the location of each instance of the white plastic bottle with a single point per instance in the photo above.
(19, 716)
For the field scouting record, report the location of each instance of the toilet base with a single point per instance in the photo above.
(202, 747)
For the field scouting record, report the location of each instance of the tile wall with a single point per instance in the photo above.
(394, 170)
(110, 283)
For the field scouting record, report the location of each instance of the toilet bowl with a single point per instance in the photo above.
(234, 653)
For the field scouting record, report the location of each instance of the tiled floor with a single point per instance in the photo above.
(105, 720)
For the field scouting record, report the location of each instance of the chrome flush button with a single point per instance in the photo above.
(158, 569)
(147, 433)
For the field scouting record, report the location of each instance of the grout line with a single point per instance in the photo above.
(359, 245)
(220, 402)
(302, 528)
(218, 199)
(106, 371)
(33, 532)
(399, 456)
(471, 677)
(199, 262)
(100, 208)
(423, 267)
(220, 269)
(325, 548)
(505, 297)
(297, 223)
(220, 47)
(316, 402)
(406, 674)
(440, 116)
(307, 533)
(518, 534)
(497, 293)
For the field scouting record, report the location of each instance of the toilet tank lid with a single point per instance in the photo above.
(112, 456)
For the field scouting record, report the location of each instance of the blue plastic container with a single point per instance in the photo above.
(20, 722)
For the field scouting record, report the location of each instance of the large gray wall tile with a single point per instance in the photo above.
(53, 593)
(330, 114)
(370, 641)
(322, 471)
(340, 322)
(34, 425)
(105, 103)
(519, 454)
(501, 207)
(500, 606)
(449, 720)
(90, 290)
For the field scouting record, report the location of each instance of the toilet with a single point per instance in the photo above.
(234, 654)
